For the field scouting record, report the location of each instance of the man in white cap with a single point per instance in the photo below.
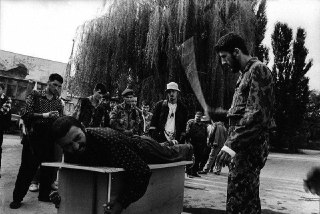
(169, 117)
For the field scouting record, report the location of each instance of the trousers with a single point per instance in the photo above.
(31, 159)
(244, 179)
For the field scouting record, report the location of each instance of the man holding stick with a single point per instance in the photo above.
(250, 116)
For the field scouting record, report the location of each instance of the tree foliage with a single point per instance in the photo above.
(313, 116)
(292, 91)
(261, 51)
(135, 43)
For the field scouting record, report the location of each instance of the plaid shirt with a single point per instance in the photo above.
(37, 102)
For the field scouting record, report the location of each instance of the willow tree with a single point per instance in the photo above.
(135, 43)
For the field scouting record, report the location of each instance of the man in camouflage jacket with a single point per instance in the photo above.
(125, 117)
(250, 118)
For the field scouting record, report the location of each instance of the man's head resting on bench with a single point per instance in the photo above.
(69, 134)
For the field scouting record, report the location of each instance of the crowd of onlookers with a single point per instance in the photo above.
(167, 123)
(244, 151)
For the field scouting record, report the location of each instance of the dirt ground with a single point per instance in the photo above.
(281, 186)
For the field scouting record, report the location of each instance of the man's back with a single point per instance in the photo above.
(108, 147)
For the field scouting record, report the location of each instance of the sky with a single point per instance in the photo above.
(43, 28)
(46, 28)
(298, 13)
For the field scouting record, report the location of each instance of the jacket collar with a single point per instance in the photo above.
(249, 63)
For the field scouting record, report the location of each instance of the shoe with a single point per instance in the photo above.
(217, 172)
(202, 172)
(15, 204)
(34, 188)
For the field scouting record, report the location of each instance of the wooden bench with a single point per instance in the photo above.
(84, 190)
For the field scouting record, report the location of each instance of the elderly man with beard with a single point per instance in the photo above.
(250, 119)
(41, 110)
(169, 117)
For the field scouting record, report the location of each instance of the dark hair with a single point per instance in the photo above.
(231, 41)
(101, 87)
(2, 86)
(62, 125)
(56, 76)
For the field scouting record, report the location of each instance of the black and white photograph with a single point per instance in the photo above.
(159, 106)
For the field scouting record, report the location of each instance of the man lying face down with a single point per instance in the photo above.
(108, 147)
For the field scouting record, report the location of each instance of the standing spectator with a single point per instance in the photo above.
(102, 114)
(250, 119)
(125, 117)
(217, 135)
(41, 110)
(5, 116)
(90, 111)
(169, 118)
(206, 151)
(196, 135)
(146, 118)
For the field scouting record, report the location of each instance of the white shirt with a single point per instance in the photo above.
(170, 124)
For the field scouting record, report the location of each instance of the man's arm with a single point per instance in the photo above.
(184, 122)
(29, 110)
(137, 122)
(188, 130)
(155, 120)
(114, 119)
(156, 116)
(257, 115)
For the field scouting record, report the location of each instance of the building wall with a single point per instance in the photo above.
(18, 86)
(38, 69)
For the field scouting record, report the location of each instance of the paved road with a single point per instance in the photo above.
(281, 189)
(281, 186)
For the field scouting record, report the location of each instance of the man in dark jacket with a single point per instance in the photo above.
(90, 111)
(5, 115)
(169, 117)
(125, 116)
